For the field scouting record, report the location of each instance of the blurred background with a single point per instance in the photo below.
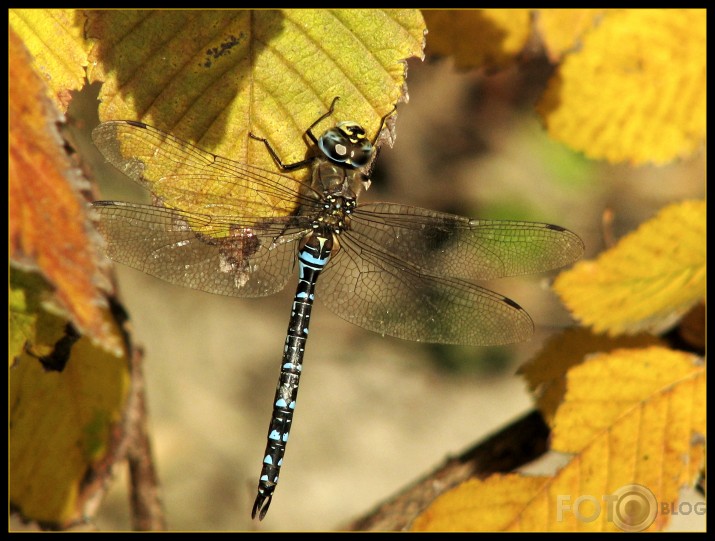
(374, 413)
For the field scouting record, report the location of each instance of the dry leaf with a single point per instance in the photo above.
(64, 429)
(635, 423)
(647, 281)
(49, 227)
(63, 423)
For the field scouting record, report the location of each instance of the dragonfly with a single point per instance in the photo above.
(397, 270)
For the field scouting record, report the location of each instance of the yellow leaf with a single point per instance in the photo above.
(647, 281)
(63, 432)
(635, 90)
(647, 380)
(55, 38)
(476, 505)
(211, 77)
(546, 373)
(635, 421)
(481, 38)
(22, 320)
(561, 29)
(638, 415)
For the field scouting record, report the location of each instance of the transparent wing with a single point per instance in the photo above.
(184, 176)
(226, 256)
(382, 293)
(448, 245)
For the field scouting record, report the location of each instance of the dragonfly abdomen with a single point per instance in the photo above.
(312, 258)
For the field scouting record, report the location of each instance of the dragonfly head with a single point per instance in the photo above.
(346, 144)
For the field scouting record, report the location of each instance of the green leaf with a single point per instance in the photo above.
(31, 326)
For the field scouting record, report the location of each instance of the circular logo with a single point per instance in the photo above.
(635, 508)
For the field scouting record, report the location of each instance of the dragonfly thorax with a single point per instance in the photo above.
(335, 216)
(335, 180)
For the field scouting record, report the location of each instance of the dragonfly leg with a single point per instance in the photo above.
(283, 166)
(382, 123)
(309, 132)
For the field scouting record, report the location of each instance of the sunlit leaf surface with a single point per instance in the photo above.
(630, 417)
(635, 89)
(648, 280)
(55, 40)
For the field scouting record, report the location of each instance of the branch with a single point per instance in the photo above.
(519, 443)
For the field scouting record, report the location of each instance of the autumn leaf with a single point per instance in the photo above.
(67, 406)
(476, 505)
(55, 41)
(640, 414)
(647, 281)
(241, 71)
(50, 230)
(69, 376)
(630, 83)
(269, 72)
(483, 38)
(634, 421)
(32, 328)
(546, 373)
(64, 433)
(635, 90)
(646, 379)
(562, 29)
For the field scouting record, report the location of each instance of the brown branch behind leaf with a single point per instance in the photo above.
(517, 444)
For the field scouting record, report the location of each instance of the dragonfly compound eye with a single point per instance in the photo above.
(347, 145)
